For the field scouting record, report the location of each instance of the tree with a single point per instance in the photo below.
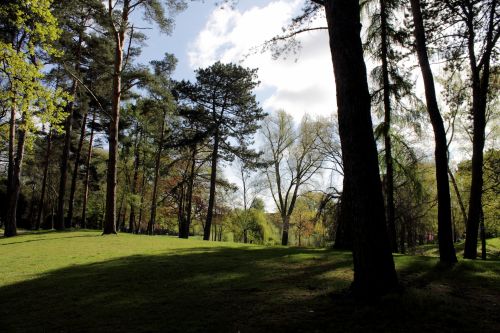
(119, 15)
(224, 93)
(475, 32)
(27, 33)
(374, 272)
(292, 158)
(445, 233)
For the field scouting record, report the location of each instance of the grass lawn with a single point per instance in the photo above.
(84, 282)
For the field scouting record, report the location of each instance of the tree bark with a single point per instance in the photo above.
(480, 85)
(343, 235)
(459, 196)
(75, 170)
(11, 223)
(374, 272)
(185, 226)
(286, 228)
(445, 233)
(213, 178)
(87, 173)
(135, 180)
(60, 221)
(152, 218)
(111, 179)
(483, 236)
(391, 223)
(44, 180)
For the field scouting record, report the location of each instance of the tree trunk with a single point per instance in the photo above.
(12, 143)
(483, 236)
(286, 228)
(445, 234)
(131, 223)
(185, 226)
(459, 196)
(87, 174)
(143, 193)
(44, 180)
(374, 272)
(11, 223)
(343, 235)
(152, 218)
(75, 170)
(480, 87)
(213, 178)
(111, 179)
(391, 224)
(60, 222)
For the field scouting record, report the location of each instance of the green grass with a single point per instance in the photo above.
(492, 249)
(84, 282)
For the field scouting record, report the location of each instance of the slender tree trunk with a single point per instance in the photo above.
(459, 196)
(75, 170)
(60, 222)
(213, 178)
(135, 180)
(143, 193)
(12, 144)
(374, 272)
(44, 180)
(391, 223)
(185, 226)
(152, 218)
(11, 223)
(111, 179)
(445, 234)
(87, 173)
(480, 87)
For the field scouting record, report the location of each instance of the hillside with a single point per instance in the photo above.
(84, 282)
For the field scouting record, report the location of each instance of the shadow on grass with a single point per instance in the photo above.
(216, 290)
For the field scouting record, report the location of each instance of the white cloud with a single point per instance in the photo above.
(302, 86)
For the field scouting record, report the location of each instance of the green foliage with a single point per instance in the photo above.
(29, 31)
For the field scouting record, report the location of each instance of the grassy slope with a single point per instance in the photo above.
(81, 282)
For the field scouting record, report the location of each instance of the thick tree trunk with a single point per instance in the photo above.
(483, 236)
(60, 221)
(391, 222)
(44, 180)
(374, 272)
(87, 174)
(74, 178)
(445, 233)
(11, 223)
(343, 235)
(211, 199)
(286, 228)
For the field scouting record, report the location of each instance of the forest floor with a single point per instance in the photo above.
(84, 282)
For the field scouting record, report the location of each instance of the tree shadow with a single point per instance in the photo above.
(219, 289)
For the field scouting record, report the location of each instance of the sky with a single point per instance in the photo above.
(205, 33)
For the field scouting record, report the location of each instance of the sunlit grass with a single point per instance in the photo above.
(82, 281)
